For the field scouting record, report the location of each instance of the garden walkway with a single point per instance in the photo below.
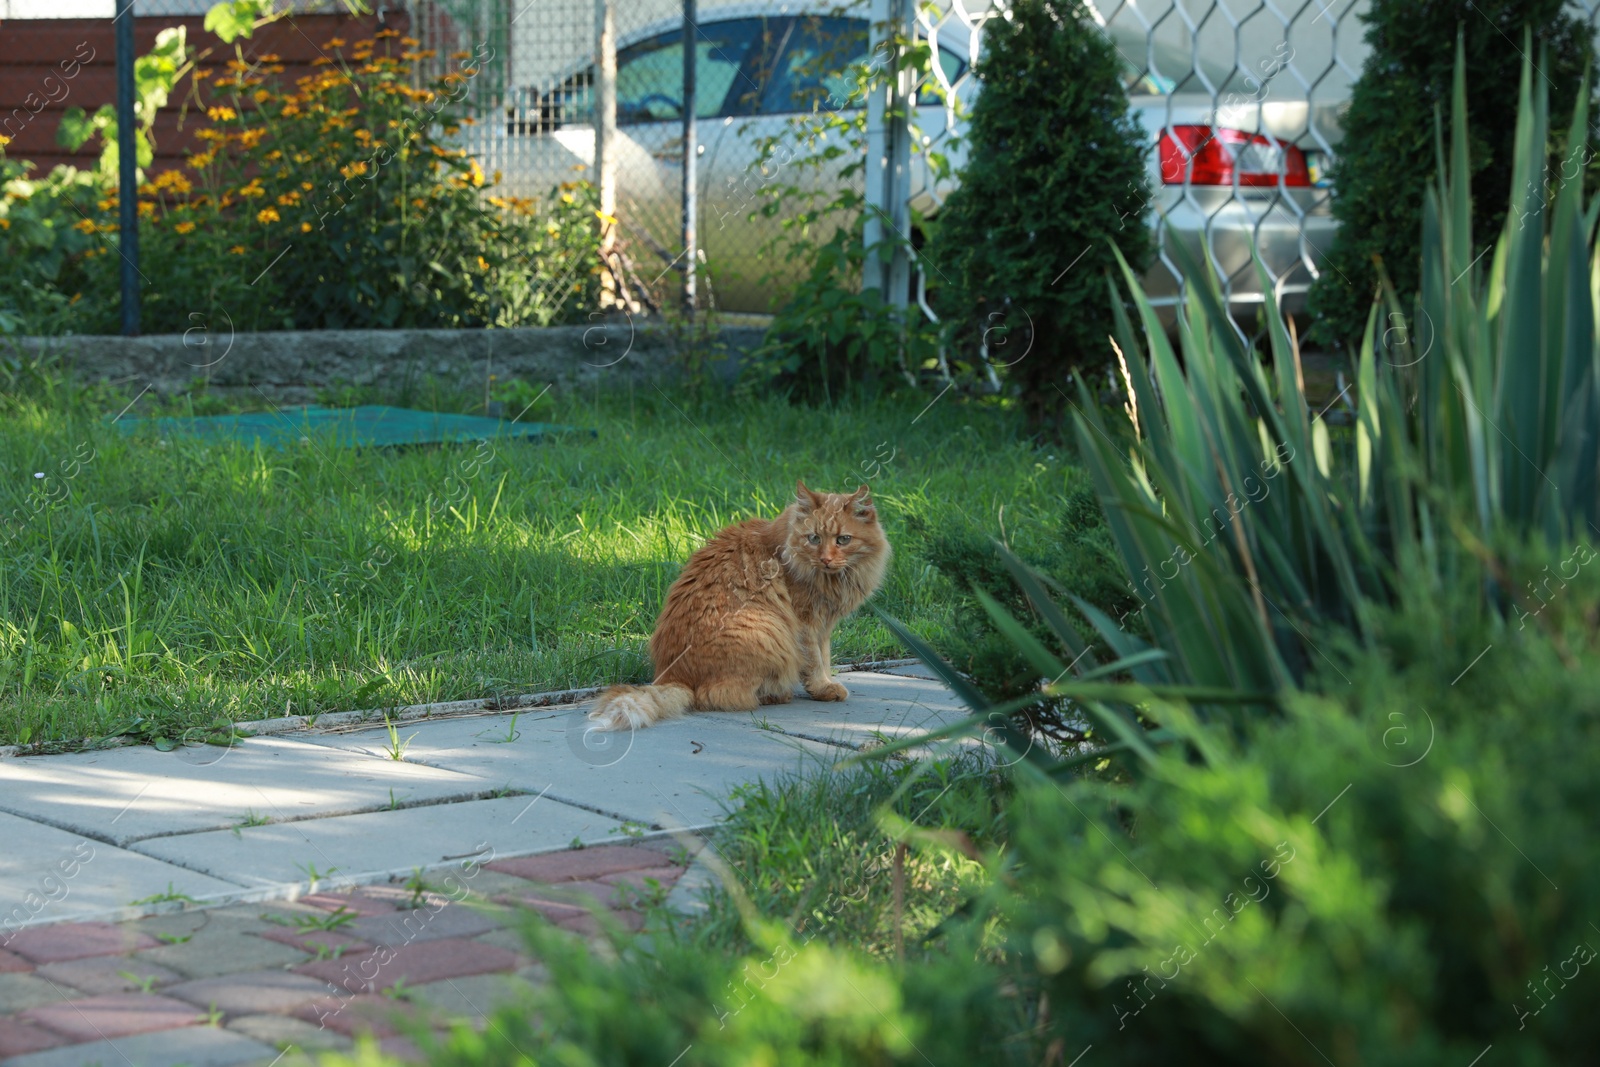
(217, 906)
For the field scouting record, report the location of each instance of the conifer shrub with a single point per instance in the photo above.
(1055, 178)
(1386, 159)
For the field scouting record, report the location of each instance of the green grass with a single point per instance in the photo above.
(186, 582)
(820, 854)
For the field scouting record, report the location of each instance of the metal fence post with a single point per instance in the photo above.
(691, 37)
(605, 137)
(128, 170)
(888, 215)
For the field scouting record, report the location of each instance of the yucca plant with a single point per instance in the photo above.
(1248, 526)
(1245, 522)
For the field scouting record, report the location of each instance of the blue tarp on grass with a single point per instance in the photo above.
(369, 426)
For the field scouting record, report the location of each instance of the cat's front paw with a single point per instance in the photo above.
(828, 691)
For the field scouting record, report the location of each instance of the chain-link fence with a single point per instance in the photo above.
(1240, 98)
(1241, 101)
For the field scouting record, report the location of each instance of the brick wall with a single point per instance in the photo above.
(49, 65)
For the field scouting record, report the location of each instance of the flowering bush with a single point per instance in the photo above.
(339, 203)
(46, 236)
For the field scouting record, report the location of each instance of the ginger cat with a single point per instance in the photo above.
(754, 610)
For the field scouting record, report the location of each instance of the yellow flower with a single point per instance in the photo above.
(261, 96)
(4, 140)
(200, 73)
(184, 227)
(5, 223)
(221, 114)
(307, 186)
(410, 42)
(477, 175)
(267, 214)
(236, 250)
(333, 42)
(84, 226)
(305, 227)
(289, 199)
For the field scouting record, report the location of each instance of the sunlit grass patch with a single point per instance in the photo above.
(194, 580)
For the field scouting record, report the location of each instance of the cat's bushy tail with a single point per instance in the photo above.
(633, 707)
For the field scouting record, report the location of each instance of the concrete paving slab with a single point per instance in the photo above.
(221, 945)
(194, 1046)
(472, 997)
(106, 974)
(893, 707)
(128, 794)
(287, 1034)
(384, 842)
(20, 991)
(48, 875)
(673, 775)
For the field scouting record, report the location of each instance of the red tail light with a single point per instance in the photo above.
(1209, 155)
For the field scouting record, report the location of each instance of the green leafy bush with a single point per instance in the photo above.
(1055, 179)
(1386, 160)
(832, 338)
(1399, 872)
(46, 234)
(337, 202)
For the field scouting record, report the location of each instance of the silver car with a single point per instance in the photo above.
(1229, 169)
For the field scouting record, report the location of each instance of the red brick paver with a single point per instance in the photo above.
(18, 1037)
(591, 925)
(112, 1015)
(665, 876)
(11, 963)
(568, 894)
(579, 864)
(416, 963)
(366, 1013)
(75, 941)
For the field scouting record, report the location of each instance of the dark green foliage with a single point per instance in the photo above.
(1402, 870)
(1387, 156)
(1055, 171)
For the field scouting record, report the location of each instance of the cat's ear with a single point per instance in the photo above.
(861, 505)
(805, 499)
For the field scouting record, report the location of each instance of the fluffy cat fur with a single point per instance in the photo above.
(754, 610)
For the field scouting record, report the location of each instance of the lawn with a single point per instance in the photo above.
(184, 582)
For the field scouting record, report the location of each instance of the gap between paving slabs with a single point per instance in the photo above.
(599, 796)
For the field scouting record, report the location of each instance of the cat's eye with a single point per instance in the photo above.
(815, 539)
(843, 539)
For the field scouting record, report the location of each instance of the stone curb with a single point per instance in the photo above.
(349, 721)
